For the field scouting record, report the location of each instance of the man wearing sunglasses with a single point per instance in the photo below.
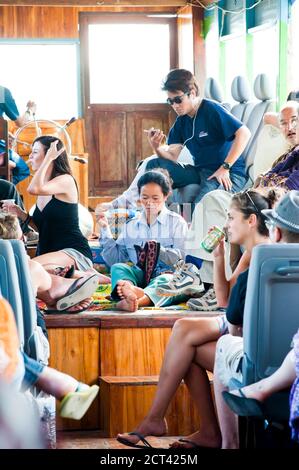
(214, 137)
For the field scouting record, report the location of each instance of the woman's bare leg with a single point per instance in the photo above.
(49, 288)
(198, 384)
(187, 334)
(281, 379)
(54, 259)
(228, 421)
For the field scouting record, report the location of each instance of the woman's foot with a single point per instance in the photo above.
(146, 428)
(81, 306)
(125, 288)
(256, 391)
(129, 304)
(198, 439)
(66, 293)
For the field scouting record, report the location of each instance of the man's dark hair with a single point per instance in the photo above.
(288, 236)
(180, 79)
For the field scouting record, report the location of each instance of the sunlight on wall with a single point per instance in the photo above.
(128, 62)
(266, 53)
(235, 63)
(44, 73)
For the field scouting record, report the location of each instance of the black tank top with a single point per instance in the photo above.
(58, 227)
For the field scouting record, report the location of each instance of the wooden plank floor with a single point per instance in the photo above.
(95, 440)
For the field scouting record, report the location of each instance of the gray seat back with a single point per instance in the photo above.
(240, 91)
(9, 285)
(264, 93)
(271, 315)
(213, 91)
(31, 346)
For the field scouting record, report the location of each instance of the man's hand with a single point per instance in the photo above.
(155, 137)
(222, 176)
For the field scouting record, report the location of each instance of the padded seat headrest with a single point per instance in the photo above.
(240, 89)
(213, 90)
(263, 88)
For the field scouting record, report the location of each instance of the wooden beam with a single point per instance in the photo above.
(93, 3)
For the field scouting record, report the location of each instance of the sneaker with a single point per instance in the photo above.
(207, 302)
(186, 280)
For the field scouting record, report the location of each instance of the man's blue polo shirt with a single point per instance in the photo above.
(213, 133)
(7, 104)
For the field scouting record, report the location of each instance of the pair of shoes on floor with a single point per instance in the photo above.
(75, 404)
(76, 294)
(186, 280)
(243, 406)
(206, 302)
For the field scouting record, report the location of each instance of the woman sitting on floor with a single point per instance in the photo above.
(160, 231)
(61, 242)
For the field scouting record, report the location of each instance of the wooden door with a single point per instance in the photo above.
(114, 131)
(117, 143)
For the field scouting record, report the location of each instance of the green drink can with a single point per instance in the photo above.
(212, 239)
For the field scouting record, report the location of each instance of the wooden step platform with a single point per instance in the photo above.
(117, 346)
(125, 401)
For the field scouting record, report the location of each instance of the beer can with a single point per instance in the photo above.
(212, 239)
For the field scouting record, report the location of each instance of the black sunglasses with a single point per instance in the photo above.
(177, 99)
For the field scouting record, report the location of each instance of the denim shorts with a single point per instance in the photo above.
(33, 370)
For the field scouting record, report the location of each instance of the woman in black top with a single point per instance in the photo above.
(61, 242)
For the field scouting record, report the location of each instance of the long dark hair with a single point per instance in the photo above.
(61, 165)
(254, 201)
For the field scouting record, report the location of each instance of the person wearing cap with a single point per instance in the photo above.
(283, 224)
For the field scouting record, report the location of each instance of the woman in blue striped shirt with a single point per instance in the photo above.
(159, 228)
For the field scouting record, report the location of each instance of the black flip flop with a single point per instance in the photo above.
(243, 406)
(128, 443)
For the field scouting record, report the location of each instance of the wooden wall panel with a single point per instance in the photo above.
(138, 145)
(51, 22)
(116, 142)
(108, 152)
(137, 351)
(75, 351)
